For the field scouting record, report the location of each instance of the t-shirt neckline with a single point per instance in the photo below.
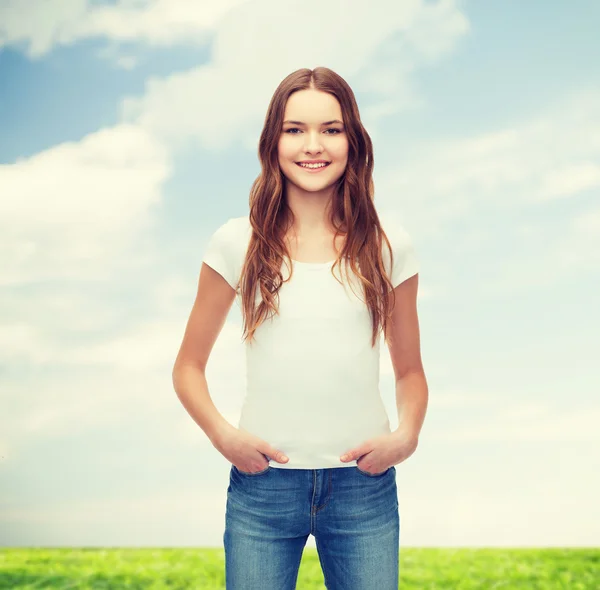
(313, 264)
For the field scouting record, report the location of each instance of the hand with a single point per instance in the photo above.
(378, 454)
(247, 452)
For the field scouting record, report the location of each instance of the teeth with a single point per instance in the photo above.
(313, 165)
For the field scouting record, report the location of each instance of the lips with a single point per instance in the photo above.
(313, 167)
(316, 170)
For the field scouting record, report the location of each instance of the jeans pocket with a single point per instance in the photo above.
(252, 473)
(381, 474)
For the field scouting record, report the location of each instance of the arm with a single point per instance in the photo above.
(213, 301)
(405, 351)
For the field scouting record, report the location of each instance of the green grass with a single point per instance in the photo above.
(422, 569)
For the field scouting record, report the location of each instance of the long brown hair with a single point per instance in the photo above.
(352, 203)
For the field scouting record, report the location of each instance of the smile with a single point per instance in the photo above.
(313, 167)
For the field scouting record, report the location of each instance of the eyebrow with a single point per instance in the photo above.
(325, 123)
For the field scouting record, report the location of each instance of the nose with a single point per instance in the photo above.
(312, 143)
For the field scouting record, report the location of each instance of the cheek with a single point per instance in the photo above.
(285, 152)
(340, 152)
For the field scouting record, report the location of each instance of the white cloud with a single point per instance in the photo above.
(78, 202)
(551, 155)
(570, 179)
(41, 25)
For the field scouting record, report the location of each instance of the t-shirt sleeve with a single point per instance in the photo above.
(219, 253)
(405, 261)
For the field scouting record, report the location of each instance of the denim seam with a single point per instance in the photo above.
(328, 495)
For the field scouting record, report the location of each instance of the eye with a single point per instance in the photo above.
(330, 129)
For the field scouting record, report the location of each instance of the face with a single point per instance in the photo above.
(312, 136)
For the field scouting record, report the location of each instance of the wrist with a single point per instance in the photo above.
(217, 433)
(406, 431)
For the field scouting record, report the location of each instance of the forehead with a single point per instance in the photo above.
(312, 107)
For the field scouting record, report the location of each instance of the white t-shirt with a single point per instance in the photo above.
(312, 377)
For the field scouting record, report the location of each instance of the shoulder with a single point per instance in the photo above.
(232, 230)
(238, 233)
(239, 224)
(233, 236)
(405, 260)
(226, 248)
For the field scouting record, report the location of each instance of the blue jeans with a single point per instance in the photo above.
(352, 514)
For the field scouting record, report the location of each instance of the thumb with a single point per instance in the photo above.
(353, 454)
(278, 456)
(348, 456)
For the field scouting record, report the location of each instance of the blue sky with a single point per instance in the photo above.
(129, 134)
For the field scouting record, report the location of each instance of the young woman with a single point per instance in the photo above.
(316, 286)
